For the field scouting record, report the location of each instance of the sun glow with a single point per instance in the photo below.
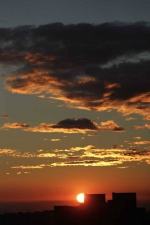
(80, 197)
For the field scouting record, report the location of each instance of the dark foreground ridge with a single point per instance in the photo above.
(121, 210)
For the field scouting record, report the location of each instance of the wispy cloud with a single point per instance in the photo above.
(9, 152)
(137, 127)
(141, 142)
(46, 155)
(138, 137)
(55, 139)
(129, 118)
(28, 167)
(92, 156)
(147, 117)
(91, 135)
(95, 73)
(141, 127)
(15, 153)
(18, 173)
(14, 125)
(86, 156)
(85, 163)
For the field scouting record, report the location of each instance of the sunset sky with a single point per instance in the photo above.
(74, 98)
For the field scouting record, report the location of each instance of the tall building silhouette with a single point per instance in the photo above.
(120, 210)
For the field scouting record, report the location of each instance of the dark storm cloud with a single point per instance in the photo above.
(81, 123)
(97, 67)
(97, 42)
(118, 129)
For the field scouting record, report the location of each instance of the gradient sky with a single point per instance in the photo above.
(75, 98)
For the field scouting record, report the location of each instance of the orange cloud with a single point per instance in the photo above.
(46, 155)
(28, 167)
(141, 127)
(138, 138)
(85, 163)
(147, 126)
(14, 125)
(16, 153)
(138, 127)
(110, 125)
(111, 86)
(142, 142)
(55, 139)
(147, 117)
(92, 135)
(9, 152)
(129, 118)
(148, 161)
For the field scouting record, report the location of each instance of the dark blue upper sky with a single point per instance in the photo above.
(20, 12)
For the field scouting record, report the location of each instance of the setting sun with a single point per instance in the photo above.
(80, 197)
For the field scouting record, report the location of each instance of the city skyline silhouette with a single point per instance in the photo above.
(95, 209)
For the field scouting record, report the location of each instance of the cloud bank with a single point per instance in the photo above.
(94, 67)
(81, 125)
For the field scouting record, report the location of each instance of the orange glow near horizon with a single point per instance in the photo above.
(80, 198)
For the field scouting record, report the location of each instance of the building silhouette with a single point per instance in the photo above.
(120, 210)
(94, 201)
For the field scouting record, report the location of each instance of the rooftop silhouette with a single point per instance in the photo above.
(95, 210)
(120, 210)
